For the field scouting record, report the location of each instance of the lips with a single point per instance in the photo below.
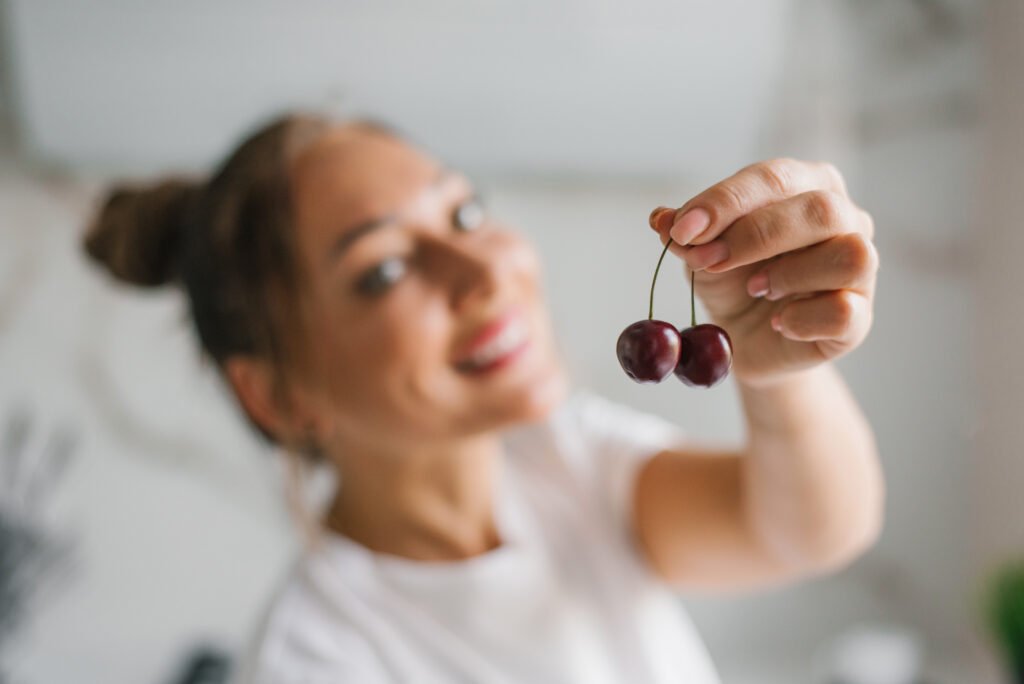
(494, 341)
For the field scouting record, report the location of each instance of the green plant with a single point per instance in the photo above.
(1005, 614)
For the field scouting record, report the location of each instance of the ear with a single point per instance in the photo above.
(267, 403)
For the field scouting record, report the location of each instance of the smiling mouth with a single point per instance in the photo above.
(501, 344)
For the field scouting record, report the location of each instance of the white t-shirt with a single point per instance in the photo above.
(565, 599)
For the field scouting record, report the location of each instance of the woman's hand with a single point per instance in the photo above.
(783, 260)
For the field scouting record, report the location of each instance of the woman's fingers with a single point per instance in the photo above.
(840, 316)
(661, 219)
(847, 261)
(706, 216)
(794, 223)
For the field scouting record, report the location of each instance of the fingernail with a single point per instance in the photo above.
(703, 256)
(777, 322)
(758, 286)
(658, 217)
(690, 225)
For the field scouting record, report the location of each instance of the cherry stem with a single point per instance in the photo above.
(693, 309)
(650, 308)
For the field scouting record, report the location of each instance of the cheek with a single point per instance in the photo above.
(526, 271)
(520, 261)
(386, 351)
(421, 328)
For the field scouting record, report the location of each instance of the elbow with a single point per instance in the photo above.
(837, 525)
(838, 545)
(852, 526)
(826, 549)
(836, 554)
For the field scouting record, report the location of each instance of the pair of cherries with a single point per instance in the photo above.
(650, 350)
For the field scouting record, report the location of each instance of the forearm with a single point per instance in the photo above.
(811, 482)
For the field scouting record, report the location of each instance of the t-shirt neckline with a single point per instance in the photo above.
(509, 521)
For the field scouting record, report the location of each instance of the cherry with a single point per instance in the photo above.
(649, 350)
(705, 353)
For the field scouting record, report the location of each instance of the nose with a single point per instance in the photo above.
(471, 273)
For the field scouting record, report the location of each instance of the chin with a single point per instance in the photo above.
(537, 400)
(539, 403)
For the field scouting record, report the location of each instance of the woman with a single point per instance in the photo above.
(490, 525)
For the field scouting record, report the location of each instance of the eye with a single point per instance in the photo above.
(381, 277)
(469, 215)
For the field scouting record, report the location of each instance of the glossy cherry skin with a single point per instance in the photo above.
(648, 350)
(705, 355)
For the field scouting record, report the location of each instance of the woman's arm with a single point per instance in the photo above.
(783, 260)
(804, 497)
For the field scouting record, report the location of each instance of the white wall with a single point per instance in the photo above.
(569, 86)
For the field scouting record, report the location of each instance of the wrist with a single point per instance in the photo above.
(782, 382)
(784, 402)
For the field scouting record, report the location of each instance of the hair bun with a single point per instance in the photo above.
(137, 231)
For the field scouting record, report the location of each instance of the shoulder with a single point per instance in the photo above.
(605, 443)
(607, 426)
(308, 636)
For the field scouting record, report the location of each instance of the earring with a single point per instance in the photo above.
(309, 445)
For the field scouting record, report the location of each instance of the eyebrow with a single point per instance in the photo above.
(350, 236)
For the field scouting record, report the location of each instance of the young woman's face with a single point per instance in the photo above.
(425, 316)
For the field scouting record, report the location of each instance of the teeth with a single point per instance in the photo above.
(511, 337)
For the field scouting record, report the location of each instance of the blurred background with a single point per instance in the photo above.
(143, 528)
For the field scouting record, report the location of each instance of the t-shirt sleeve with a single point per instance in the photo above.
(617, 439)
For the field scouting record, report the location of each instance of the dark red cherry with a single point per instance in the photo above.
(648, 350)
(705, 355)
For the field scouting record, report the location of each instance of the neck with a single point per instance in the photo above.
(431, 503)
